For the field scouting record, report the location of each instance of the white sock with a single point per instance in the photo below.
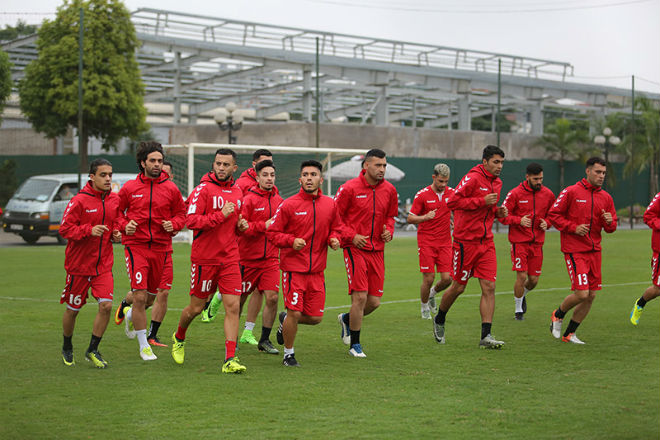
(249, 325)
(432, 292)
(518, 304)
(142, 338)
(288, 351)
(218, 295)
(129, 314)
(425, 306)
(525, 291)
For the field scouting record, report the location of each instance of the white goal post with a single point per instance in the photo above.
(190, 150)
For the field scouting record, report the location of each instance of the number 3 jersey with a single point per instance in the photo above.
(215, 237)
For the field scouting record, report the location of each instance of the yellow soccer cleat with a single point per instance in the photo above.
(232, 365)
(178, 351)
(248, 338)
(636, 314)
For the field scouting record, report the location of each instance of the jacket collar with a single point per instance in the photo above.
(363, 179)
(588, 186)
(210, 178)
(160, 179)
(307, 196)
(89, 189)
(263, 193)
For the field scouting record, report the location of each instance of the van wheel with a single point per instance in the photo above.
(60, 239)
(30, 239)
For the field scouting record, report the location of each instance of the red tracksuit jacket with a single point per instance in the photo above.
(521, 201)
(364, 209)
(582, 204)
(247, 180)
(473, 220)
(215, 238)
(149, 202)
(253, 245)
(652, 219)
(437, 231)
(313, 218)
(85, 254)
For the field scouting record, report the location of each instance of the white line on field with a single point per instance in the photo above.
(470, 295)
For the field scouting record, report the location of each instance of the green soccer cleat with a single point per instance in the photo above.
(267, 347)
(232, 365)
(248, 338)
(491, 343)
(147, 354)
(178, 351)
(67, 358)
(211, 312)
(636, 314)
(96, 359)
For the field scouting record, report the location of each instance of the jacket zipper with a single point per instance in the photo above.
(311, 246)
(533, 214)
(270, 214)
(101, 238)
(151, 192)
(492, 189)
(373, 220)
(591, 219)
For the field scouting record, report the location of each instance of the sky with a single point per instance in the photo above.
(606, 41)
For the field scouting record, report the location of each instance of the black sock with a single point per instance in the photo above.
(572, 327)
(346, 318)
(641, 302)
(153, 329)
(559, 314)
(355, 337)
(485, 329)
(265, 333)
(440, 317)
(94, 343)
(67, 344)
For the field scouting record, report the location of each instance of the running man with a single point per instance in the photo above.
(474, 203)
(214, 216)
(152, 210)
(652, 220)
(88, 224)
(303, 227)
(367, 206)
(528, 205)
(580, 212)
(429, 211)
(260, 264)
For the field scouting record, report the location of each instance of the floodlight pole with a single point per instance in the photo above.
(81, 165)
(632, 153)
(499, 98)
(318, 106)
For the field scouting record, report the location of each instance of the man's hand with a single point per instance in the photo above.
(116, 236)
(582, 230)
(607, 216)
(502, 212)
(525, 221)
(334, 243)
(386, 235)
(242, 223)
(228, 209)
(430, 215)
(490, 199)
(131, 227)
(269, 222)
(98, 230)
(360, 241)
(298, 244)
(543, 225)
(167, 225)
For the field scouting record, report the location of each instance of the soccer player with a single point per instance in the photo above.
(528, 205)
(260, 265)
(214, 216)
(429, 211)
(152, 210)
(367, 206)
(303, 227)
(248, 178)
(652, 219)
(89, 226)
(474, 203)
(580, 212)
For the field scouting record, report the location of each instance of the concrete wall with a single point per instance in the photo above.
(25, 141)
(396, 141)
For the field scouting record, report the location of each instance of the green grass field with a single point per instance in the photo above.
(407, 387)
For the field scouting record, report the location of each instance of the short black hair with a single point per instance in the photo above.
(145, 149)
(226, 152)
(96, 163)
(263, 164)
(261, 152)
(311, 163)
(492, 150)
(596, 160)
(534, 168)
(167, 162)
(375, 152)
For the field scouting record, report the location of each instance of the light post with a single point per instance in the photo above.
(606, 141)
(229, 122)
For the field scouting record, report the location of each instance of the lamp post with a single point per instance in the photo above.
(229, 122)
(606, 141)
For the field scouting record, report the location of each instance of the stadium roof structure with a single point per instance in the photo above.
(202, 63)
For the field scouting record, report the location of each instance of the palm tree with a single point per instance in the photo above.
(563, 141)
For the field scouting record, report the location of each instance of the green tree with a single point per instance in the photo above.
(13, 32)
(113, 104)
(5, 80)
(564, 142)
(8, 182)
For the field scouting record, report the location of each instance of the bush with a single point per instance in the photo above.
(8, 183)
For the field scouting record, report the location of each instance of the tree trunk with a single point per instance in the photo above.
(561, 172)
(84, 155)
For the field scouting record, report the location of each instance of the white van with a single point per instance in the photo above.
(35, 210)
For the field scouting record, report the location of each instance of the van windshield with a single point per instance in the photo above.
(36, 189)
